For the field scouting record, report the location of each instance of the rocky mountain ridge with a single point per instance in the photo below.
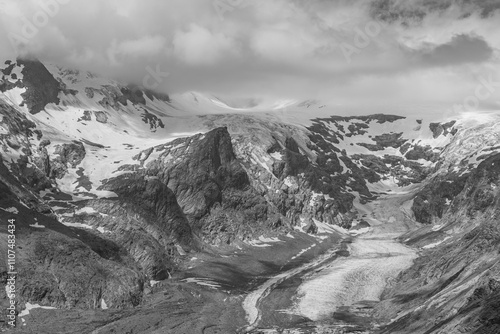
(453, 285)
(133, 181)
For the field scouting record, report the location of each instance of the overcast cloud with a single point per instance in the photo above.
(348, 52)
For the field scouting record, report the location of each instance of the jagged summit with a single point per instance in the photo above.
(44, 83)
(77, 113)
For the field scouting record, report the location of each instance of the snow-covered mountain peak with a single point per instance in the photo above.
(129, 172)
(107, 116)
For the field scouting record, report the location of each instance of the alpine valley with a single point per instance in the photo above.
(139, 212)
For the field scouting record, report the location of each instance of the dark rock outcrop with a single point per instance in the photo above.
(402, 171)
(293, 163)
(310, 227)
(101, 116)
(116, 96)
(153, 120)
(59, 266)
(147, 222)
(436, 197)
(152, 95)
(41, 87)
(384, 141)
(439, 129)
(211, 186)
(151, 224)
(454, 287)
(417, 152)
(71, 154)
(133, 95)
(320, 126)
(20, 133)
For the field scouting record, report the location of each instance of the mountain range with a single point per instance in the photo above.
(136, 211)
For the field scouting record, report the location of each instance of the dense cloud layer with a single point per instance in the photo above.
(385, 52)
(462, 49)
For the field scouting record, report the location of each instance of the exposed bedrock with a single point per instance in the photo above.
(454, 286)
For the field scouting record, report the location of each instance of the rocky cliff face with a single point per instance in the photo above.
(453, 287)
(399, 156)
(299, 183)
(209, 183)
(65, 265)
(58, 265)
(112, 186)
(469, 147)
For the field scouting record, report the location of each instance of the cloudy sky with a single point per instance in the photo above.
(344, 52)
